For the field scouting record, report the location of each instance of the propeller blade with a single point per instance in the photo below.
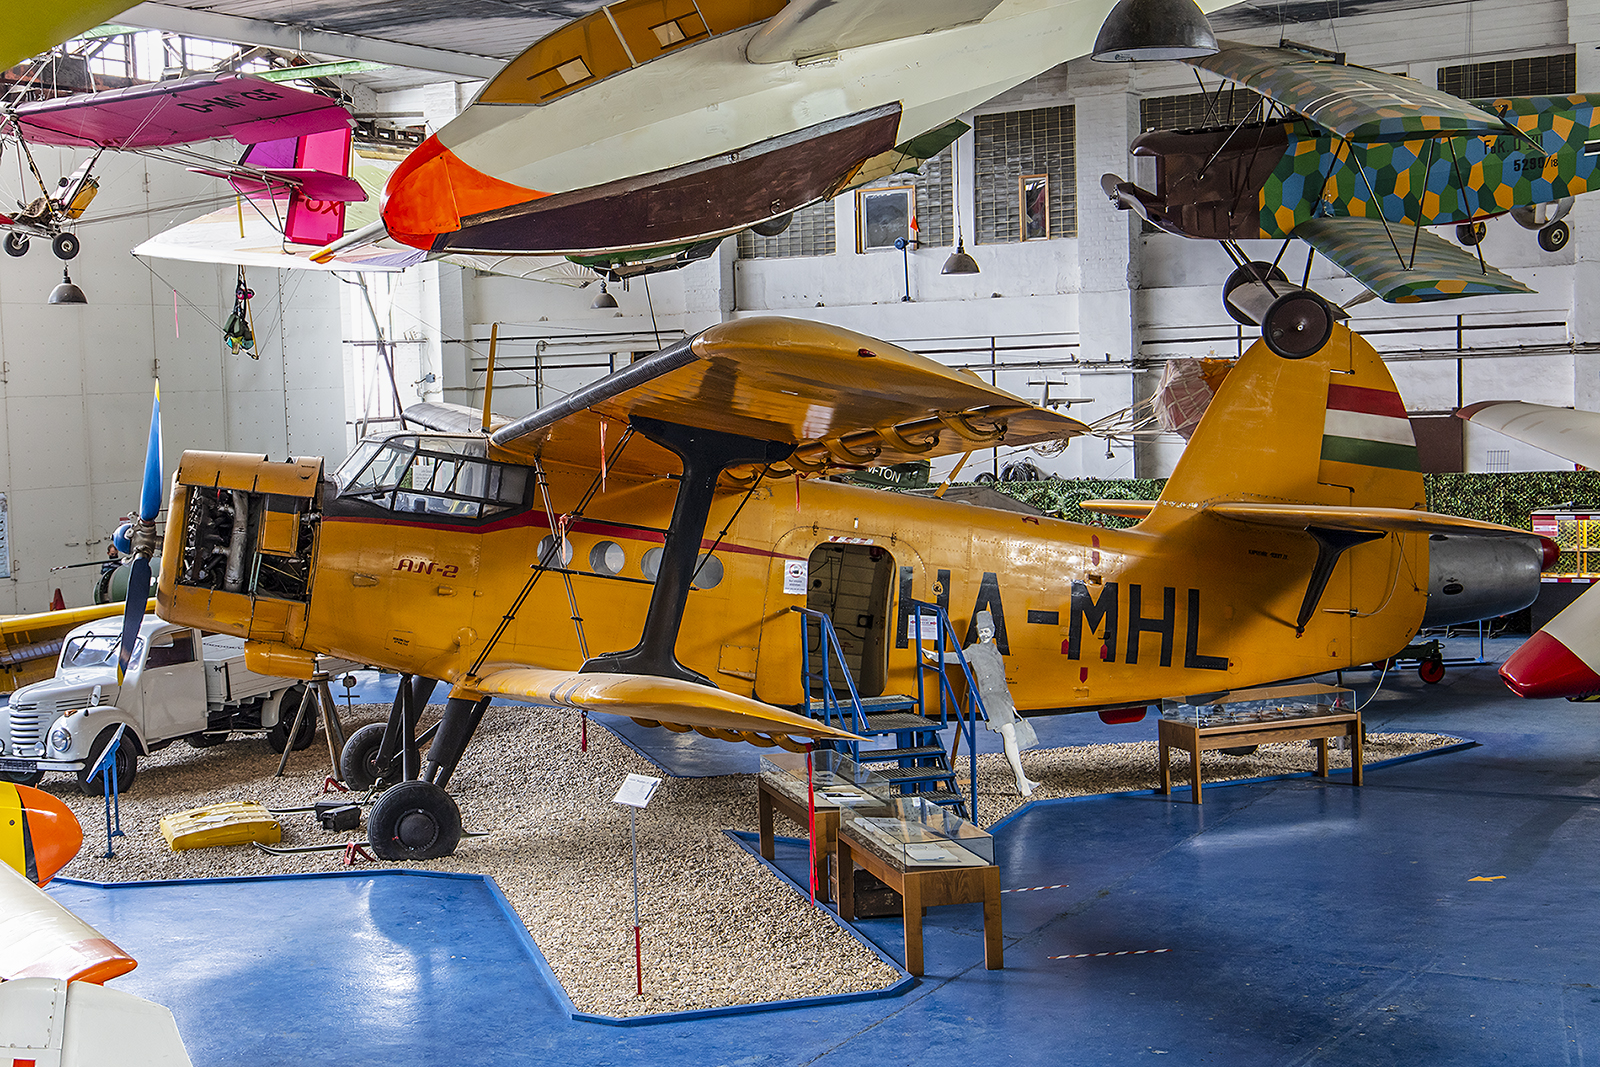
(133, 612)
(150, 495)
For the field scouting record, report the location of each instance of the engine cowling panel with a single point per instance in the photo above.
(1472, 578)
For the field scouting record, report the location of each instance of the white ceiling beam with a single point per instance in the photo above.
(215, 26)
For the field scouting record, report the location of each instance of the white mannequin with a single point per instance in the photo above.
(989, 674)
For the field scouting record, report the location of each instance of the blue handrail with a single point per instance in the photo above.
(967, 718)
(830, 698)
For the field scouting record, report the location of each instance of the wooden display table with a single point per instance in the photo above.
(770, 797)
(921, 888)
(1195, 739)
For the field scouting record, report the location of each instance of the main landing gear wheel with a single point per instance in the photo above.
(16, 244)
(66, 245)
(1471, 233)
(414, 821)
(127, 762)
(1250, 272)
(358, 763)
(1431, 671)
(1554, 237)
(1297, 324)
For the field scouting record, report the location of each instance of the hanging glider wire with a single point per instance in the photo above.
(552, 551)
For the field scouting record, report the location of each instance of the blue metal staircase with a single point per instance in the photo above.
(917, 762)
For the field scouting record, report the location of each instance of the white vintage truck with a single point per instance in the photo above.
(177, 686)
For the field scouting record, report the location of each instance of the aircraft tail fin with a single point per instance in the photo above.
(316, 169)
(1328, 429)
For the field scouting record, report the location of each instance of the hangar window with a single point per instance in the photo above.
(1011, 144)
(884, 216)
(932, 202)
(442, 476)
(810, 232)
(1197, 111)
(1528, 76)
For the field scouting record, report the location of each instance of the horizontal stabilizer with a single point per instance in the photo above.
(1361, 105)
(313, 184)
(659, 701)
(1369, 520)
(816, 27)
(1371, 253)
(1572, 435)
(1128, 509)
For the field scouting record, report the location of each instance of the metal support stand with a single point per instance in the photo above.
(106, 768)
(332, 728)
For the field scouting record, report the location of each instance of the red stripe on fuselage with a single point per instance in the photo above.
(536, 520)
(1367, 401)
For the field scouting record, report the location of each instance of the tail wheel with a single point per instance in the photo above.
(414, 821)
(1250, 272)
(1471, 233)
(1554, 237)
(358, 763)
(1297, 324)
(66, 245)
(127, 762)
(1431, 671)
(16, 244)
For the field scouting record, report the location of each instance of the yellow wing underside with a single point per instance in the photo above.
(653, 701)
(29, 644)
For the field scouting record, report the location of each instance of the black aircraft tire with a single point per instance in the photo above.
(288, 708)
(358, 763)
(1256, 271)
(1471, 233)
(20, 778)
(1554, 237)
(66, 246)
(1297, 324)
(414, 821)
(16, 244)
(127, 763)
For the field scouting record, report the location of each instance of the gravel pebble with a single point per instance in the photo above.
(717, 928)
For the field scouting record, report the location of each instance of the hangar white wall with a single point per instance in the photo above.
(1119, 301)
(75, 382)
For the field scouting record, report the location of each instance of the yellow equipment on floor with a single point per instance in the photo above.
(236, 822)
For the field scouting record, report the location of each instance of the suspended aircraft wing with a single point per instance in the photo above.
(1377, 255)
(41, 939)
(29, 644)
(206, 107)
(1360, 105)
(653, 701)
(1573, 435)
(844, 400)
(807, 28)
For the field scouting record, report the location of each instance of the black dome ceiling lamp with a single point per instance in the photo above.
(1154, 29)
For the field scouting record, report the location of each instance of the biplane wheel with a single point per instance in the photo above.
(1250, 272)
(414, 821)
(16, 244)
(1554, 237)
(66, 245)
(1431, 671)
(773, 227)
(1297, 324)
(358, 763)
(1471, 233)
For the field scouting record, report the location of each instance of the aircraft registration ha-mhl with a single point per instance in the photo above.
(670, 505)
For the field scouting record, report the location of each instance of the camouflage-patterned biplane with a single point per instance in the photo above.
(1355, 165)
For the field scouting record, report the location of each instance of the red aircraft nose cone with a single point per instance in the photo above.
(1544, 668)
(432, 190)
(38, 833)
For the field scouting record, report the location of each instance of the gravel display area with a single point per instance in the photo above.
(718, 929)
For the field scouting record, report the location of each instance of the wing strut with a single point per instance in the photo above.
(705, 455)
(1331, 544)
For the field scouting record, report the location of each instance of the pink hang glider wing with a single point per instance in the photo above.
(203, 108)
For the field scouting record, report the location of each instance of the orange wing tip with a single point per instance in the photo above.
(93, 959)
(54, 833)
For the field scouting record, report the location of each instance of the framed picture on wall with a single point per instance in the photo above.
(1033, 195)
(884, 215)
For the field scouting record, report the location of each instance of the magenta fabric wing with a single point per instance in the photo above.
(203, 108)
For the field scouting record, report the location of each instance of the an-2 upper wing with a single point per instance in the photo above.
(1360, 105)
(844, 400)
(1401, 264)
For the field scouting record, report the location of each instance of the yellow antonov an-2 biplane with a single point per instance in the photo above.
(1289, 541)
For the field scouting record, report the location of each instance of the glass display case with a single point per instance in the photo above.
(839, 781)
(1267, 704)
(910, 832)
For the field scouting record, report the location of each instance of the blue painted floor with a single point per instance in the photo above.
(1302, 922)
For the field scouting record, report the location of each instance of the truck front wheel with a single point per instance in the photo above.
(288, 708)
(19, 778)
(127, 762)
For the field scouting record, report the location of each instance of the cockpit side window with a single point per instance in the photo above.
(437, 476)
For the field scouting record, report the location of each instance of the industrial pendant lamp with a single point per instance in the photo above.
(604, 300)
(66, 292)
(1154, 29)
(959, 262)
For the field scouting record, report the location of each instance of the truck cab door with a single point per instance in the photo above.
(172, 685)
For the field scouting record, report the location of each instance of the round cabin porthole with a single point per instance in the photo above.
(650, 564)
(708, 572)
(607, 557)
(545, 553)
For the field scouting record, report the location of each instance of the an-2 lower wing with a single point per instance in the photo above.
(1401, 264)
(656, 701)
